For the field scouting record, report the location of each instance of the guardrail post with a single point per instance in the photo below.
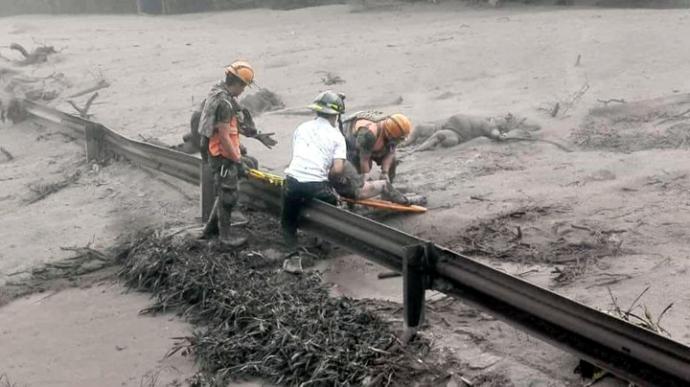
(94, 142)
(207, 194)
(418, 264)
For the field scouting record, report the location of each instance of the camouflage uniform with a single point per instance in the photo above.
(247, 127)
(220, 106)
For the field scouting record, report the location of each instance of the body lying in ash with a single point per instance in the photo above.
(461, 128)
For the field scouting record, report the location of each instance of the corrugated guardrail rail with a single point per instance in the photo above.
(631, 352)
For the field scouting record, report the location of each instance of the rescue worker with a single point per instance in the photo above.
(318, 152)
(372, 137)
(220, 145)
(191, 140)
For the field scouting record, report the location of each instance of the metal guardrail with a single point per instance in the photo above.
(631, 352)
(101, 140)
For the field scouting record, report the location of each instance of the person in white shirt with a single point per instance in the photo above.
(318, 152)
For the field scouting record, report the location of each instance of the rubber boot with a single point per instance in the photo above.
(225, 236)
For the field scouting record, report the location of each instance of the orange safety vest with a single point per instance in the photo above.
(214, 147)
(379, 145)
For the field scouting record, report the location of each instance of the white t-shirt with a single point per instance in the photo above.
(315, 144)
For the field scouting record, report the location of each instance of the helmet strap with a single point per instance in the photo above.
(340, 124)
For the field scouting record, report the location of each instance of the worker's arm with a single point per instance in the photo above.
(248, 129)
(365, 146)
(364, 163)
(226, 124)
(337, 168)
(339, 157)
(387, 164)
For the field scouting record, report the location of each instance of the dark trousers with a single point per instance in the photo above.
(295, 196)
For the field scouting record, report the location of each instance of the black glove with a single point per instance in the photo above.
(250, 162)
(242, 170)
(266, 139)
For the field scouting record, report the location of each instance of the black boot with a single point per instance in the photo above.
(225, 236)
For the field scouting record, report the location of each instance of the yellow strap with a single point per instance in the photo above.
(267, 177)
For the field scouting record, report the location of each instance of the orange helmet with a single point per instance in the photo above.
(241, 70)
(397, 126)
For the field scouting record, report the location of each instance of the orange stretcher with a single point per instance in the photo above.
(386, 205)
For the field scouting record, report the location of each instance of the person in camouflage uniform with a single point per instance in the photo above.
(192, 140)
(373, 137)
(219, 130)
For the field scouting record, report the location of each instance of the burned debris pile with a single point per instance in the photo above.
(255, 321)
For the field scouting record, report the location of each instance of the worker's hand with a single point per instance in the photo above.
(386, 176)
(266, 139)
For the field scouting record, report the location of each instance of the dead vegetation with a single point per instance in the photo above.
(562, 107)
(35, 88)
(101, 84)
(85, 260)
(607, 138)
(253, 320)
(84, 111)
(645, 320)
(57, 275)
(38, 55)
(514, 236)
(41, 190)
(661, 123)
(6, 155)
(330, 79)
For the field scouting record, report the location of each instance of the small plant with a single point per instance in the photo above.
(646, 320)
